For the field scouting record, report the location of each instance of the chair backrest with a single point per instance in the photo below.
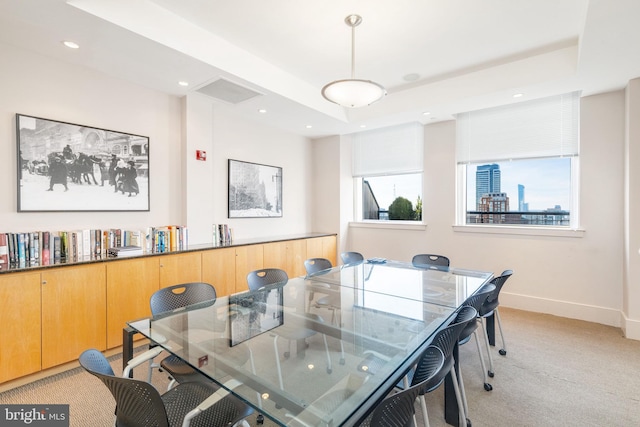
(351, 257)
(429, 365)
(430, 260)
(267, 276)
(192, 295)
(314, 265)
(492, 301)
(447, 338)
(138, 403)
(396, 410)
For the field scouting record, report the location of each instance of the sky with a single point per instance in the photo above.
(547, 183)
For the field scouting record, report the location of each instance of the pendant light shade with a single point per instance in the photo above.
(353, 93)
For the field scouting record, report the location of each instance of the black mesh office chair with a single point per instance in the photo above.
(265, 277)
(351, 258)
(476, 301)
(396, 410)
(189, 295)
(489, 308)
(446, 340)
(138, 403)
(430, 261)
(315, 266)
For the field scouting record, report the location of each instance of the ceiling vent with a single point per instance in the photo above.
(227, 91)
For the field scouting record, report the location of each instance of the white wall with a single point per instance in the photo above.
(567, 276)
(224, 136)
(36, 85)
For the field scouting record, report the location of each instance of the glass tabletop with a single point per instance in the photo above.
(314, 352)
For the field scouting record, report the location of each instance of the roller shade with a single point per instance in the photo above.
(547, 127)
(389, 151)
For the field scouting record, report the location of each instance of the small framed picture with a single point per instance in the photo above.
(255, 190)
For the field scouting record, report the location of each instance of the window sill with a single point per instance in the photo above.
(395, 225)
(523, 231)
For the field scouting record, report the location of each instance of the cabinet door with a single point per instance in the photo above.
(275, 255)
(73, 312)
(130, 284)
(20, 319)
(296, 256)
(248, 258)
(219, 269)
(322, 247)
(180, 268)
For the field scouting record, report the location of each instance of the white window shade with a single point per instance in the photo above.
(390, 151)
(547, 127)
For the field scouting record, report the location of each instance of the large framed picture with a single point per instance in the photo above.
(69, 167)
(255, 191)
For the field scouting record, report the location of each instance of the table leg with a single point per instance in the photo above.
(491, 329)
(451, 410)
(127, 347)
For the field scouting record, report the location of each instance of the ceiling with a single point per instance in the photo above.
(435, 57)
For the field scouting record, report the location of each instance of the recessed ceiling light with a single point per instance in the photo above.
(363, 126)
(71, 45)
(309, 126)
(412, 77)
(262, 110)
(183, 83)
(426, 113)
(518, 95)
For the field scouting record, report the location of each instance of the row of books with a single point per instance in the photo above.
(222, 234)
(20, 250)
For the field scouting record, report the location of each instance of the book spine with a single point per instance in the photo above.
(22, 257)
(45, 247)
(4, 251)
(57, 249)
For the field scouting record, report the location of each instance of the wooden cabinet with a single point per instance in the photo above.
(248, 258)
(51, 315)
(20, 337)
(322, 247)
(73, 312)
(180, 268)
(288, 256)
(130, 284)
(219, 269)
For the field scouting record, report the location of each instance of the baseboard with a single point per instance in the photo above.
(572, 310)
(630, 327)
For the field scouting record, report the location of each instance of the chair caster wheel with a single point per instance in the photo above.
(491, 374)
(488, 387)
(468, 422)
(287, 354)
(329, 370)
(342, 362)
(502, 352)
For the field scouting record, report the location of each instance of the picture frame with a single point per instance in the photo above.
(66, 167)
(255, 190)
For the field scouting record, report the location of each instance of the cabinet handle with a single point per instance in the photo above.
(44, 282)
(161, 265)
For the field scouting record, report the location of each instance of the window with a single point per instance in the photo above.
(387, 171)
(518, 164)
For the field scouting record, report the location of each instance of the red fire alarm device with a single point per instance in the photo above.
(201, 155)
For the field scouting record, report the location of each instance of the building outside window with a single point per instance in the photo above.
(518, 164)
(387, 171)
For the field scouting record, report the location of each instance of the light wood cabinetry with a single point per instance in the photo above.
(322, 247)
(288, 256)
(218, 269)
(180, 268)
(130, 284)
(248, 258)
(20, 337)
(51, 315)
(73, 312)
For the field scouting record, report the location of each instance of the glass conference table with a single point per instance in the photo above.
(300, 351)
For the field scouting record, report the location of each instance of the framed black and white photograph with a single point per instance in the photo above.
(255, 190)
(69, 167)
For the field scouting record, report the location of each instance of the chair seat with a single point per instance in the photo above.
(186, 396)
